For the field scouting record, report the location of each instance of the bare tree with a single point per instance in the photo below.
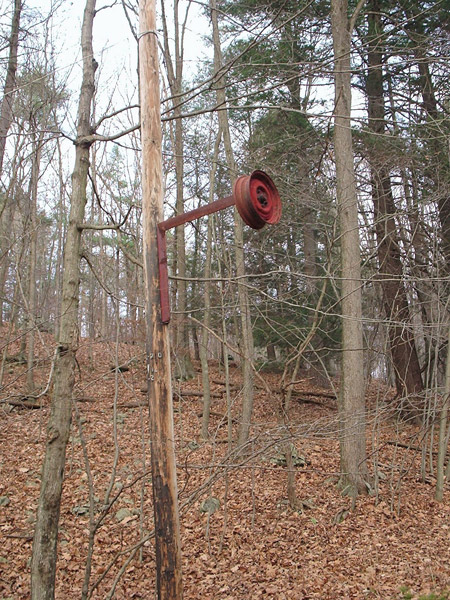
(438, 170)
(43, 565)
(183, 364)
(245, 319)
(6, 114)
(406, 365)
(443, 435)
(352, 392)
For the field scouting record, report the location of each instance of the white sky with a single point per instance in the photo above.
(114, 48)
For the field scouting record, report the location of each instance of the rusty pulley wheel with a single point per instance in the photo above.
(257, 199)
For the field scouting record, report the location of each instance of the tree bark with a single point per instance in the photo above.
(61, 236)
(6, 118)
(207, 300)
(352, 392)
(443, 438)
(43, 565)
(204, 334)
(439, 165)
(167, 528)
(184, 368)
(405, 361)
(8, 90)
(32, 258)
(244, 308)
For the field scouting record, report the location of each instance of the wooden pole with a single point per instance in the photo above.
(167, 528)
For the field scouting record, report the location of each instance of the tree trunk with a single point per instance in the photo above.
(351, 401)
(91, 281)
(167, 528)
(406, 365)
(5, 240)
(32, 258)
(247, 333)
(244, 307)
(443, 438)
(8, 90)
(207, 301)
(439, 164)
(184, 368)
(6, 117)
(309, 250)
(43, 565)
(104, 331)
(204, 338)
(61, 237)
(271, 352)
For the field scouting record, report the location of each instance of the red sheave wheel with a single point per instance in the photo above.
(257, 199)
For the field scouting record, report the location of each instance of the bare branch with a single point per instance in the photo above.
(114, 114)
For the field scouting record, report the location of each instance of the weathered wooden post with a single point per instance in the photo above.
(167, 528)
(258, 203)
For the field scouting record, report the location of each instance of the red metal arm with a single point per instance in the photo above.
(258, 203)
(191, 215)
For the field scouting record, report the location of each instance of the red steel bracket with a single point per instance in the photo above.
(258, 203)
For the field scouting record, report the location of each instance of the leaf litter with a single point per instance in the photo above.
(240, 539)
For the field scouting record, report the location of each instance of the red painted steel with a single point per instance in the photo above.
(163, 275)
(257, 199)
(258, 203)
(162, 246)
(191, 215)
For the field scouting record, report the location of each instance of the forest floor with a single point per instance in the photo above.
(249, 544)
